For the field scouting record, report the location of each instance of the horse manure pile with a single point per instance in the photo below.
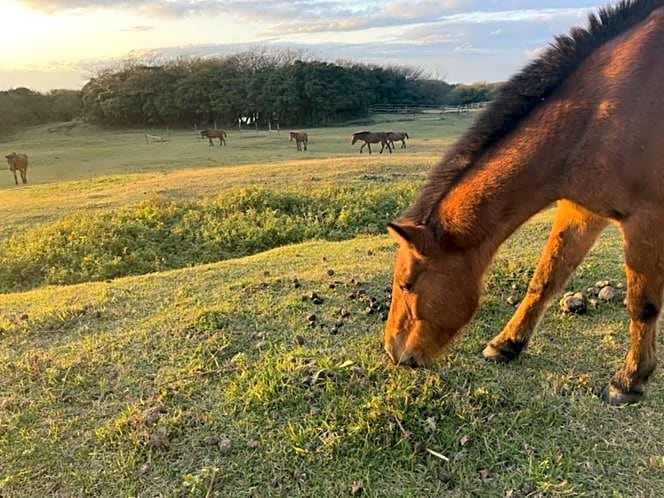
(356, 299)
(574, 302)
(577, 303)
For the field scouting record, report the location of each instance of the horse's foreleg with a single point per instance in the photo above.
(573, 233)
(644, 266)
(15, 178)
(211, 142)
(403, 144)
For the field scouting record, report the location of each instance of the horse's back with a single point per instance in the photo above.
(17, 161)
(614, 104)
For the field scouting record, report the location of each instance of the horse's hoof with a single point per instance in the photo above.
(611, 395)
(496, 355)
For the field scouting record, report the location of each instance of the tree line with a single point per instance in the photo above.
(252, 87)
(23, 107)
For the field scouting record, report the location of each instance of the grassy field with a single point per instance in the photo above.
(211, 380)
(88, 152)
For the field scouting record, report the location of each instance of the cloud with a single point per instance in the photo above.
(137, 29)
(324, 14)
(467, 40)
(159, 8)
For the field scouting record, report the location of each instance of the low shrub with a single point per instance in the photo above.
(162, 234)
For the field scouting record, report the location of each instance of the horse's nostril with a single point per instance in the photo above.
(410, 361)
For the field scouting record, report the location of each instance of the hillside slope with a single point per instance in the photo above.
(211, 380)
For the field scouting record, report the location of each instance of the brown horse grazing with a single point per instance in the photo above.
(210, 134)
(397, 135)
(301, 139)
(18, 162)
(581, 125)
(369, 137)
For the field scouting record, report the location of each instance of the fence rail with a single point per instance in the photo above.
(426, 109)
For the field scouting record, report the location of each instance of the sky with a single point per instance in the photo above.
(48, 44)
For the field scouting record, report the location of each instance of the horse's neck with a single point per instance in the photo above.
(534, 165)
(512, 181)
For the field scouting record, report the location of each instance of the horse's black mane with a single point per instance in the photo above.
(522, 93)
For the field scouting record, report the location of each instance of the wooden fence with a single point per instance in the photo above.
(426, 109)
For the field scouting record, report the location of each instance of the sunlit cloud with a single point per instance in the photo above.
(463, 40)
(137, 29)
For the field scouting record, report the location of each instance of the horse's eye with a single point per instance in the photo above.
(407, 287)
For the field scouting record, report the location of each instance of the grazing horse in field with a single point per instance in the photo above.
(301, 139)
(581, 125)
(397, 135)
(370, 137)
(210, 134)
(18, 162)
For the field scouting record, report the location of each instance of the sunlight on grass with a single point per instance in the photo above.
(227, 379)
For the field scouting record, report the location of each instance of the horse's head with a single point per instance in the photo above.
(435, 290)
(406, 135)
(354, 138)
(204, 133)
(292, 136)
(10, 158)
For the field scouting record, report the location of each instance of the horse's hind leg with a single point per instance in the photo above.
(24, 176)
(644, 265)
(573, 233)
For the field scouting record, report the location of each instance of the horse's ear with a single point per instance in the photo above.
(409, 234)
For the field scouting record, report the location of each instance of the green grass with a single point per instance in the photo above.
(98, 169)
(89, 151)
(209, 380)
(90, 373)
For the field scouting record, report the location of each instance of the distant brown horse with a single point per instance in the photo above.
(301, 139)
(370, 137)
(397, 135)
(582, 125)
(18, 162)
(210, 134)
